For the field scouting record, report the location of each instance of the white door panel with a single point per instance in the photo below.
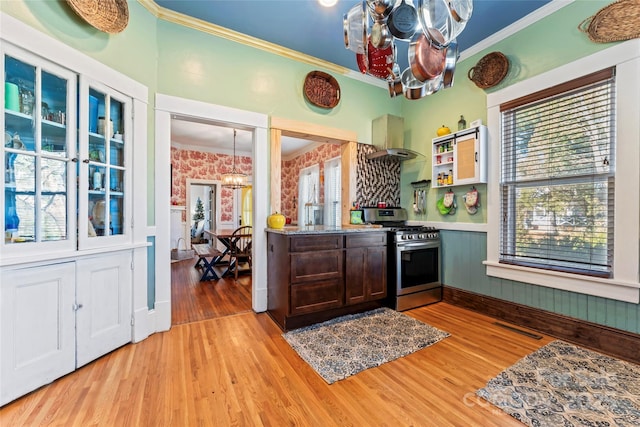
(37, 327)
(103, 319)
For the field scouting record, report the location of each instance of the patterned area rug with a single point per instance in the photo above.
(564, 385)
(349, 344)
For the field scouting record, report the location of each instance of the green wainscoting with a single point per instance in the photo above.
(462, 255)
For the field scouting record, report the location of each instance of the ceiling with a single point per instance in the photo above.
(307, 27)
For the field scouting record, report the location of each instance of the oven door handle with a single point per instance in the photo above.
(421, 245)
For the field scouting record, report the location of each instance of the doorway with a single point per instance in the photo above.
(201, 153)
(203, 204)
(168, 107)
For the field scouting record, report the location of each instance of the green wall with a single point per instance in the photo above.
(199, 66)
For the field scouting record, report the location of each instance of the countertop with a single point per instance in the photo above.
(325, 229)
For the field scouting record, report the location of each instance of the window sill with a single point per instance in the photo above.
(605, 288)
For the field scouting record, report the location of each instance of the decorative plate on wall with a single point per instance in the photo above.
(321, 89)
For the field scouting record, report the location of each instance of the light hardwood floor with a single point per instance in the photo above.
(238, 370)
(193, 300)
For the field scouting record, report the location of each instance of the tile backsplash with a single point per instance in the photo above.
(377, 180)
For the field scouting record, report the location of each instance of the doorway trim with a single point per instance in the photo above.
(167, 106)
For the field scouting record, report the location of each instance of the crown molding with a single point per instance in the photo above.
(538, 14)
(234, 36)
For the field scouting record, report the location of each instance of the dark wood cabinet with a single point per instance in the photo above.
(315, 277)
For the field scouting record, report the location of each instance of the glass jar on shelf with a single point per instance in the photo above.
(462, 123)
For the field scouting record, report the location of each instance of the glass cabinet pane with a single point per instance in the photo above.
(106, 162)
(20, 199)
(53, 109)
(36, 153)
(53, 203)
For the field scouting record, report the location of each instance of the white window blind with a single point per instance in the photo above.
(558, 175)
(332, 190)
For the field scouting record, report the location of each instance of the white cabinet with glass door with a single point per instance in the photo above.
(103, 176)
(40, 140)
(65, 191)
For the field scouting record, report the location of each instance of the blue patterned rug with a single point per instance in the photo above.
(346, 345)
(565, 385)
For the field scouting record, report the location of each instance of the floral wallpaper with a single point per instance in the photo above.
(291, 170)
(202, 165)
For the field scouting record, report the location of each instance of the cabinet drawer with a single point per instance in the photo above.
(316, 242)
(322, 265)
(361, 240)
(316, 296)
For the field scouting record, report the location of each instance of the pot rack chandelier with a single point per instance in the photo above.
(234, 179)
(371, 29)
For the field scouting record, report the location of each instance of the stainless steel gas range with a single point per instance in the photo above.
(413, 263)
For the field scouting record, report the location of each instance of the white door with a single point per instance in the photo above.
(37, 335)
(103, 319)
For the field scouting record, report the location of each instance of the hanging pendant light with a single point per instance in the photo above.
(234, 179)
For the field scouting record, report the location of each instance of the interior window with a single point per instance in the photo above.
(332, 192)
(308, 195)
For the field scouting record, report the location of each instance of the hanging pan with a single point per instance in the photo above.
(403, 21)
(426, 60)
(355, 26)
(450, 64)
(415, 89)
(437, 23)
(380, 9)
(380, 36)
(377, 62)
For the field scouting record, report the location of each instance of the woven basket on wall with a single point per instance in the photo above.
(110, 16)
(490, 70)
(615, 22)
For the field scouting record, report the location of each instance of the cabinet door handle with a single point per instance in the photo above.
(74, 160)
(77, 307)
(85, 161)
(476, 157)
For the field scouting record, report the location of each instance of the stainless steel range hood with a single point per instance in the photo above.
(387, 133)
(393, 153)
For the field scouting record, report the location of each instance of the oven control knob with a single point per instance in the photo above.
(422, 236)
(403, 237)
(409, 236)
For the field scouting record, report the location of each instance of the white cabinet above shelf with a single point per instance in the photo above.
(460, 158)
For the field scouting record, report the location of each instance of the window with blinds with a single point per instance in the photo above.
(558, 176)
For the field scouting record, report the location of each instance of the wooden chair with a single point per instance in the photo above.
(240, 250)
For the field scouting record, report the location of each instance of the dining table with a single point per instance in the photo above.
(224, 236)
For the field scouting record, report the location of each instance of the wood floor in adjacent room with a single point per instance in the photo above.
(193, 300)
(237, 370)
